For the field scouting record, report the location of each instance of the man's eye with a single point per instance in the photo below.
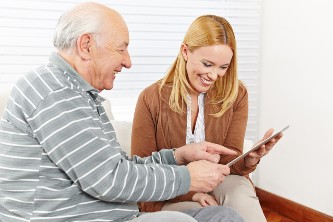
(206, 64)
(121, 50)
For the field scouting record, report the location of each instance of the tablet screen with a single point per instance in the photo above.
(255, 147)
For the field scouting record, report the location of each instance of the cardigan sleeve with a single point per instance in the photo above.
(143, 128)
(236, 132)
(144, 139)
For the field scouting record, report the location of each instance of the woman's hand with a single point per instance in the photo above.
(204, 199)
(254, 157)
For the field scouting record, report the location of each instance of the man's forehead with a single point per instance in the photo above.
(117, 29)
(122, 43)
(119, 39)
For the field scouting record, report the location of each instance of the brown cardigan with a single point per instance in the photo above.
(156, 127)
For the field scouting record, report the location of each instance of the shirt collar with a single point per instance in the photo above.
(61, 63)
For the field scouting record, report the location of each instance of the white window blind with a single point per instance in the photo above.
(156, 30)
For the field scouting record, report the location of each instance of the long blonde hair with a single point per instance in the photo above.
(206, 30)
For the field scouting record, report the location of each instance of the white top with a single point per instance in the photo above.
(199, 130)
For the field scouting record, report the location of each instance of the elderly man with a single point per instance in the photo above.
(59, 156)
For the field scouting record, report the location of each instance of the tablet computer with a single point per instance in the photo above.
(255, 147)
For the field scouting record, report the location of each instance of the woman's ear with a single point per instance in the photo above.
(84, 46)
(184, 50)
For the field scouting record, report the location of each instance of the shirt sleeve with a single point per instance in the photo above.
(144, 141)
(75, 138)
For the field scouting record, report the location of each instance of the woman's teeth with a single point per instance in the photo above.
(205, 81)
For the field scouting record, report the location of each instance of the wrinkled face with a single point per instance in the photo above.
(206, 64)
(110, 57)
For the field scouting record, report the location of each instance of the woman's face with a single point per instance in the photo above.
(206, 64)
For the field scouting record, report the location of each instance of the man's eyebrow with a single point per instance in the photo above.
(122, 45)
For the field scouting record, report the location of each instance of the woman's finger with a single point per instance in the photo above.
(211, 202)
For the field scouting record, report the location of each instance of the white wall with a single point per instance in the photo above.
(297, 89)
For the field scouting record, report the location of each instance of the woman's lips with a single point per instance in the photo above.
(205, 81)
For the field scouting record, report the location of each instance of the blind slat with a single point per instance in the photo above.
(156, 29)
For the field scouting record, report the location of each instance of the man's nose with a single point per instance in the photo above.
(127, 63)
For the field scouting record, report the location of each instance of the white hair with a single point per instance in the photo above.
(75, 23)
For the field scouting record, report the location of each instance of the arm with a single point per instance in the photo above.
(144, 140)
(236, 132)
(143, 128)
(84, 147)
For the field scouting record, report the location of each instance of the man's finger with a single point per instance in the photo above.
(218, 149)
(214, 158)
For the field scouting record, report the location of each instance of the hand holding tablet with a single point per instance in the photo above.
(257, 146)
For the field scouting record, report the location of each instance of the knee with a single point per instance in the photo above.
(228, 214)
(215, 214)
(165, 216)
(175, 216)
(233, 188)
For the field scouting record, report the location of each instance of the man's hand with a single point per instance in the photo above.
(205, 176)
(201, 151)
(204, 199)
(254, 157)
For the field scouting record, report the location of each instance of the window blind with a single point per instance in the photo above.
(156, 30)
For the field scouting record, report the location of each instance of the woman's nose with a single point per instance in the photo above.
(213, 75)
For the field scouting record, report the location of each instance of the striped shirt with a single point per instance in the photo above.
(60, 159)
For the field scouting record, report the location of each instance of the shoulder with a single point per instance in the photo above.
(42, 80)
(149, 97)
(152, 89)
(242, 90)
(242, 95)
(154, 92)
(37, 85)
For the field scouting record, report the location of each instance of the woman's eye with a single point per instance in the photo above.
(224, 67)
(206, 64)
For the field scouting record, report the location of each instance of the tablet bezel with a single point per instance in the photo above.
(257, 146)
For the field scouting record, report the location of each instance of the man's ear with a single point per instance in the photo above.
(84, 46)
(184, 50)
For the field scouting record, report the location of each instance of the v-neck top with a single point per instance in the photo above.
(199, 130)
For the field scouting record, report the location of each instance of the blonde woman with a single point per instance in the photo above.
(201, 99)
